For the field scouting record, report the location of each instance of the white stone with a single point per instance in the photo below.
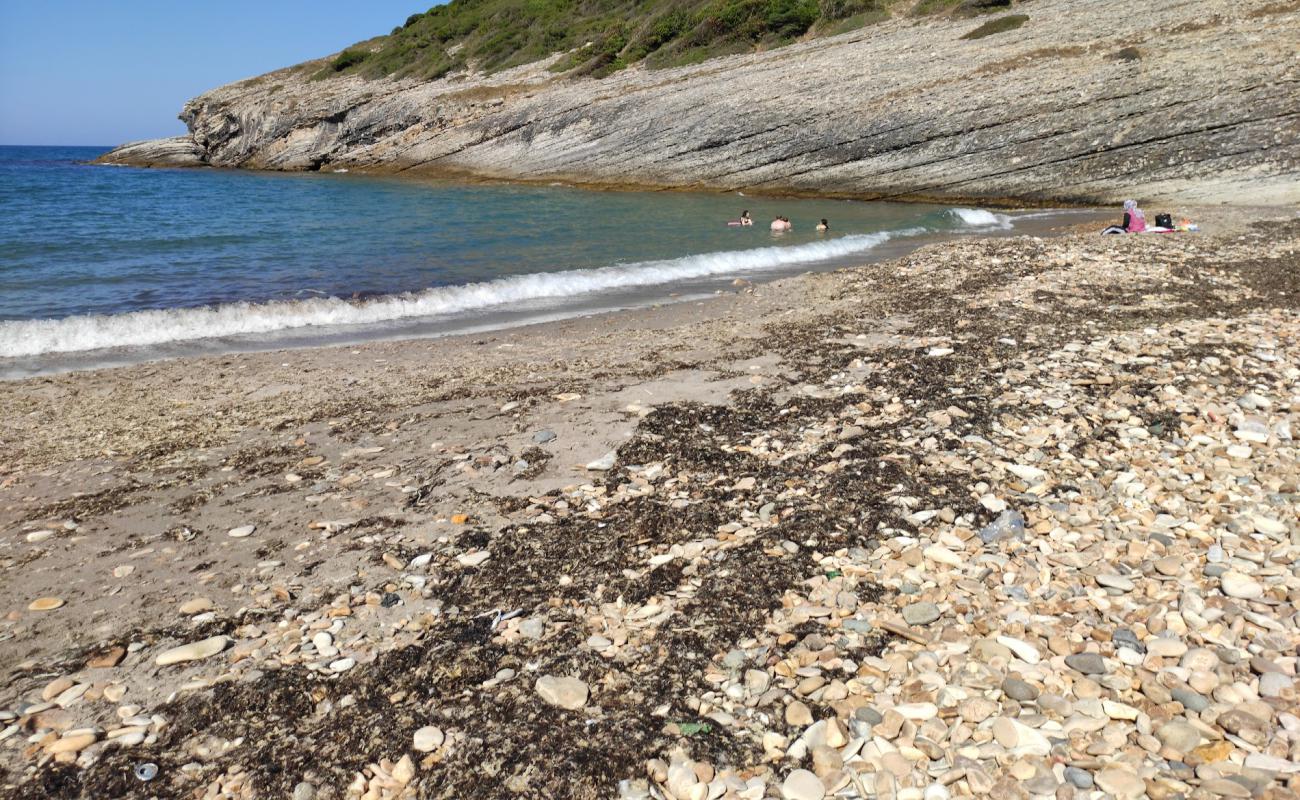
(605, 462)
(1165, 647)
(942, 555)
(474, 558)
(428, 739)
(241, 531)
(1118, 710)
(802, 785)
(1242, 587)
(343, 664)
(324, 643)
(995, 504)
(1026, 473)
(917, 711)
(1019, 738)
(1024, 651)
(194, 651)
(1269, 763)
(564, 692)
(1268, 525)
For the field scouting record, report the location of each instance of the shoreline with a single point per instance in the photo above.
(501, 317)
(766, 536)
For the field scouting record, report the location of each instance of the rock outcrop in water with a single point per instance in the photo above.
(1086, 101)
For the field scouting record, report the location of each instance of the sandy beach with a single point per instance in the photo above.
(1007, 516)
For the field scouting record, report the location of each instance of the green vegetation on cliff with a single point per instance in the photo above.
(600, 35)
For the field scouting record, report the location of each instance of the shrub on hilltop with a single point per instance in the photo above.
(599, 36)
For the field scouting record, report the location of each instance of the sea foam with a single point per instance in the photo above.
(20, 338)
(979, 218)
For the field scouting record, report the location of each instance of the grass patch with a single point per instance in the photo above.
(926, 7)
(999, 25)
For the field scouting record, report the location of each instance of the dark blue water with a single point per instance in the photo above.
(97, 257)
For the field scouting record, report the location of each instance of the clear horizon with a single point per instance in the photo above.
(80, 73)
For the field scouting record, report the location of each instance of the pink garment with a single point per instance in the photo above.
(1137, 221)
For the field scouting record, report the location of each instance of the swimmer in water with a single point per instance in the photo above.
(745, 218)
(823, 226)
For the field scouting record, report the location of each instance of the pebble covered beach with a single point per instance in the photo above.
(1011, 517)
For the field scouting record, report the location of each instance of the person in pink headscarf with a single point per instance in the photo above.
(1134, 220)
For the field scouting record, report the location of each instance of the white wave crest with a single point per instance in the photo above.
(979, 218)
(19, 338)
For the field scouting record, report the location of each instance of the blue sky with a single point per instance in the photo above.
(111, 71)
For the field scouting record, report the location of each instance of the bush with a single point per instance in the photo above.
(999, 25)
(496, 34)
(349, 58)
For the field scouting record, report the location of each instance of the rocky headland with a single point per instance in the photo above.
(1008, 517)
(1085, 102)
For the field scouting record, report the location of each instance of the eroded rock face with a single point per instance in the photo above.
(1085, 102)
(177, 151)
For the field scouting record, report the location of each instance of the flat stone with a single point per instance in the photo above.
(342, 664)
(1165, 647)
(1078, 778)
(564, 692)
(428, 739)
(1121, 782)
(921, 613)
(1115, 582)
(917, 711)
(36, 537)
(942, 555)
(45, 604)
(1023, 650)
(1020, 738)
(1178, 735)
(1190, 698)
(1211, 753)
(1087, 663)
(1242, 587)
(474, 558)
(194, 651)
(797, 715)
(1170, 566)
(1236, 721)
(73, 744)
(544, 436)
(604, 463)
(1268, 526)
(1224, 788)
(802, 785)
(56, 687)
(1276, 684)
(241, 532)
(1021, 691)
(1267, 763)
(108, 658)
(1200, 659)
(196, 606)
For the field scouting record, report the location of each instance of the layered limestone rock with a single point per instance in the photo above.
(1195, 102)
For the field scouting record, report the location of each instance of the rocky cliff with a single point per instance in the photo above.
(1087, 101)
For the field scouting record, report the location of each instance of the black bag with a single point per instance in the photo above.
(1164, 221)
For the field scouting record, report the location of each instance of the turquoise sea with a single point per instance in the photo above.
(102, 265)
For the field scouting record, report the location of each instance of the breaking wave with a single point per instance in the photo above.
(20, 338)
(979, 218)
